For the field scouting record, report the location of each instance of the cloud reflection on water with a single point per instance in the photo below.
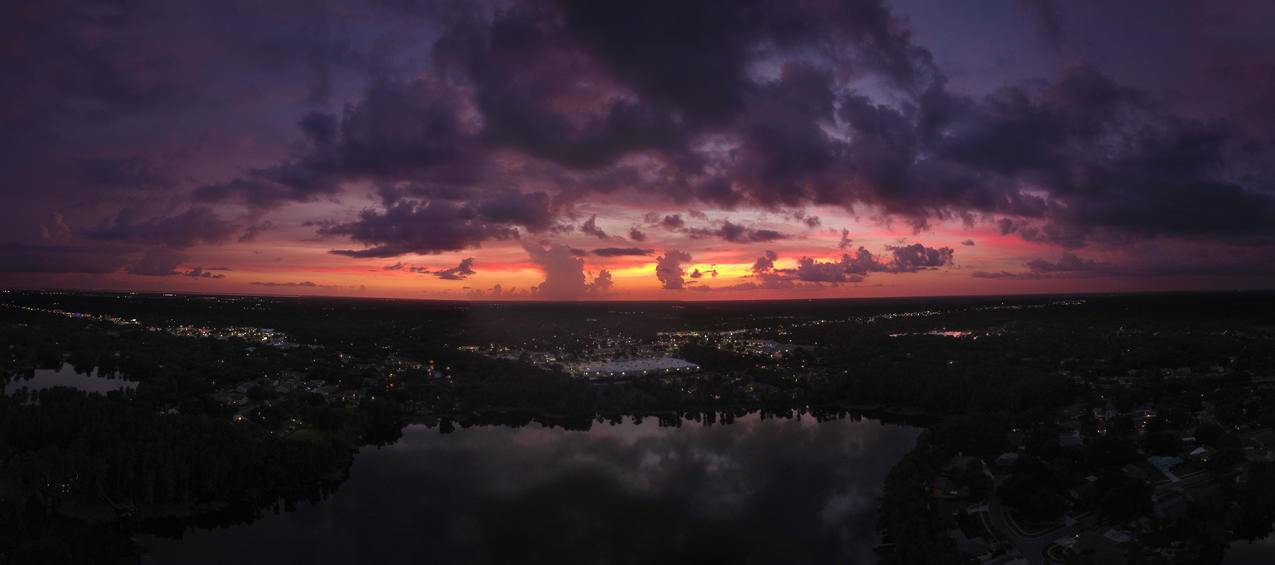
(762, 491)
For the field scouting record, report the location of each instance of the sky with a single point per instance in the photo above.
(658, 150)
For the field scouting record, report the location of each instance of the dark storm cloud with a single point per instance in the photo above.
(1108, 156)
(849, 269)
(590, 227)
(1068, 265)
(637, 234)
(1157, 174)
(916, 257)
(736, 233)
(1047, 18)
(810, 270)
(130, 173)
(60, 258)
(198, 225)
(459, 272)
(765, 263)
(506, 115)
(411, 226)
(156, 263)
(399, 130)
(113, 94)
(621, 251)
(554, 83)
(531, 210)
(694, 55)
(78, 65)
(253, 231)
(200, 272)
(1068, 262)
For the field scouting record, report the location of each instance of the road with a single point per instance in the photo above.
(1032, 547)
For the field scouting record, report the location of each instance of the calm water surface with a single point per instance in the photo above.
(762, 491)
(1261, 552)
(67, 377)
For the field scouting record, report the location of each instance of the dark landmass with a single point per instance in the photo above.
(1141, 427)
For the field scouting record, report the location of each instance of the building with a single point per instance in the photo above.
(636, 367)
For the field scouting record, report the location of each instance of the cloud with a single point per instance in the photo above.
(602, 283)
(668, 269)
(200, 272)
(812, 270)
(590, 227)
(197, 225)
(765, 263)
(1068, 262)
(496, 291)
(1048, 21)
(1068, 265)
(411, 226)
(578, 106)
(156, 263)
(61, 258)
(459, 272)
(56, 229)
(737, 233)
(968, 243)
(398, 130)
(135, 173)
(916, 257)
(302, 284)
(503, 118)
(672, 222)
(849, 269)
(254, 230)
(564, 271)
(621, 251)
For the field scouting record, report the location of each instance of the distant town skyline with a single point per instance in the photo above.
(575, 150)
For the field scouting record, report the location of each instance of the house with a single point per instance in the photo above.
(967, 545)
(1007, 459)
(1134, 472)
(1173, 506)
(1070, 439)
(960, 462)
(1202, 454)
(944, 487)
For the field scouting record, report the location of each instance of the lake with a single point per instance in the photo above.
(1260, 552)
(758, 490)
(67, 377)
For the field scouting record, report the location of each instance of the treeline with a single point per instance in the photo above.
(75, 453)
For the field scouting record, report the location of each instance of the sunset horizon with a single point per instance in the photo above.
(565, 151)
